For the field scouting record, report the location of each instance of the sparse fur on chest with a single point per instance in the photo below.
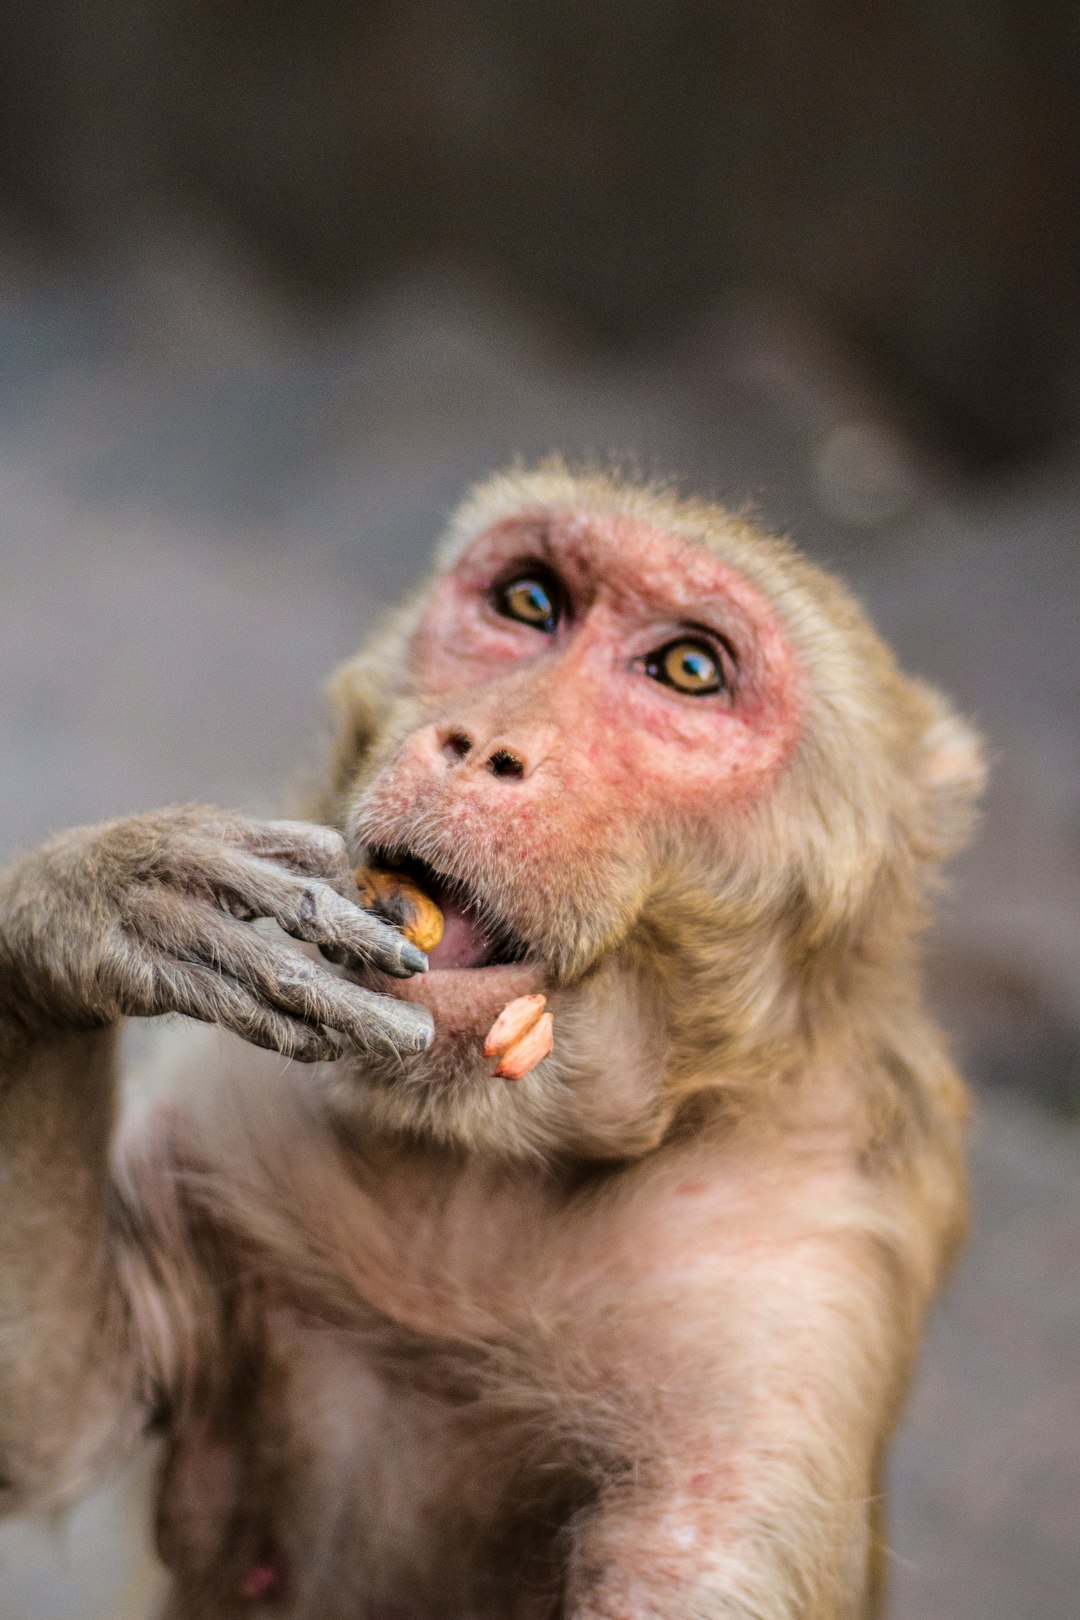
(364, 1490)
(421, 1371)
(387, 1433)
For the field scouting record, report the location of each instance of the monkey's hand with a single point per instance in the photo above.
(151, 915)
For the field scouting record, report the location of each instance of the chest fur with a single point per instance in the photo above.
(357, 1483)
(436, 1363)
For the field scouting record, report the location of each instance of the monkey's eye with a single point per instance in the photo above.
(688, 665)
(532, 598)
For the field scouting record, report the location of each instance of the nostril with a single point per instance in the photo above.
(457, 744)
(504, 763)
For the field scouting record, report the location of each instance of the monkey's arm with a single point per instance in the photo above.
(68, 1397)
(139, 917)
(776, 1378)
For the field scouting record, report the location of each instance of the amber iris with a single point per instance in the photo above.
(530, 601)
(688, 666)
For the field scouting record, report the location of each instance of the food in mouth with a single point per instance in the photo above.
(523, 1033)
(435, 912)
(400, 901)
(520, 1037)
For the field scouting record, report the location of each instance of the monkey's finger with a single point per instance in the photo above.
(303, 989)
(201, 992)
(308, 908)
(316, 913)
(307, 848)
(281, 979)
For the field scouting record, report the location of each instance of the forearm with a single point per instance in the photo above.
(67, 1364)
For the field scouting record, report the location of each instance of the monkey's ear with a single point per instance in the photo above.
(357, 706)
(950, 776)
(356, 710)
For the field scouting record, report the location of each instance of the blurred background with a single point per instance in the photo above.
(277, 282)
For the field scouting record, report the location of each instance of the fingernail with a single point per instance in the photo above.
(413, 959)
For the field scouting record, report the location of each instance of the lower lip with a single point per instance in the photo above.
(467, 1001)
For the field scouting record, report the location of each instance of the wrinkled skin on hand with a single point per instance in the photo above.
(151, 915)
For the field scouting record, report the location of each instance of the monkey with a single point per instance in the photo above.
(625, 1337)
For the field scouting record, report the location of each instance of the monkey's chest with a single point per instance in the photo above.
(355, 1489)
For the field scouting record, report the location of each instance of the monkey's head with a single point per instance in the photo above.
(652, 762)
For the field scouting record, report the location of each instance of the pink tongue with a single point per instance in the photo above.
(462, 945)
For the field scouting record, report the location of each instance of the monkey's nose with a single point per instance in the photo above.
(503, 762)
(497, 758)
(456, 744)
(493, 755)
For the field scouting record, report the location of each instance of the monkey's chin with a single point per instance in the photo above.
(465, 1002)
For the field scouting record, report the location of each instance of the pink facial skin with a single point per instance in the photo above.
(604, 753)
(631, 740)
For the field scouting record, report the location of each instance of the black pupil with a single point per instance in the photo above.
(530, 601)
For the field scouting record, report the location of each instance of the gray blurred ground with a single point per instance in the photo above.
(204, 503)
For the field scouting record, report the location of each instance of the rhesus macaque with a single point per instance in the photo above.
(623, 1338)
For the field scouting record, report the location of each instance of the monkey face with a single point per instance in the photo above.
(656, 765)
(574, 690)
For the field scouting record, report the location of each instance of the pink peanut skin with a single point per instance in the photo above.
(516, 1018)
(520, 1037)
(527, 1052)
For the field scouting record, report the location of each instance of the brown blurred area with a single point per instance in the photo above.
(277, 282)
(906, 174)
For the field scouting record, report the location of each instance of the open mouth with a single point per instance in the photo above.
(478, 965)
(472, 938)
